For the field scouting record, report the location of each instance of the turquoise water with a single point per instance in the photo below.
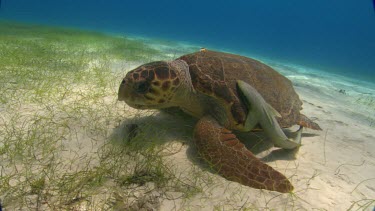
(336, 36)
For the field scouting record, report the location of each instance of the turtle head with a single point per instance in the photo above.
(153, 85)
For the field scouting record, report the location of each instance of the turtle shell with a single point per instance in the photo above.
(215, 74)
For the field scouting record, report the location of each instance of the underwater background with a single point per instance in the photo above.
(336, 36)
(68, 143)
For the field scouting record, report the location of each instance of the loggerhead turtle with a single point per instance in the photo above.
(225, 92)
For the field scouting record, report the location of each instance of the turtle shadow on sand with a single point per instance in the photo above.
(261, 145)
(173, 125)
(157, 128)
(256, 142)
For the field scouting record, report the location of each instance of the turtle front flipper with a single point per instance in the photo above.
(227, 155)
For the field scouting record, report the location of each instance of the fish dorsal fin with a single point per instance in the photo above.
(273, 111)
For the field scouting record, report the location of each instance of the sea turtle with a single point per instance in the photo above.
(225, 92)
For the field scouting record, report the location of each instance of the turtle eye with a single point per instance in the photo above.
(142, 87)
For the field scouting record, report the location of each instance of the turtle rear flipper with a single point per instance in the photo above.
(230, 158)
(306, 122)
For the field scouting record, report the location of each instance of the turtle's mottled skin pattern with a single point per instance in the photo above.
(204, 85)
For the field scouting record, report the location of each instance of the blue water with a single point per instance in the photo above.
(337, 36)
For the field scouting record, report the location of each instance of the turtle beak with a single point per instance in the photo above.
(121, 91)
